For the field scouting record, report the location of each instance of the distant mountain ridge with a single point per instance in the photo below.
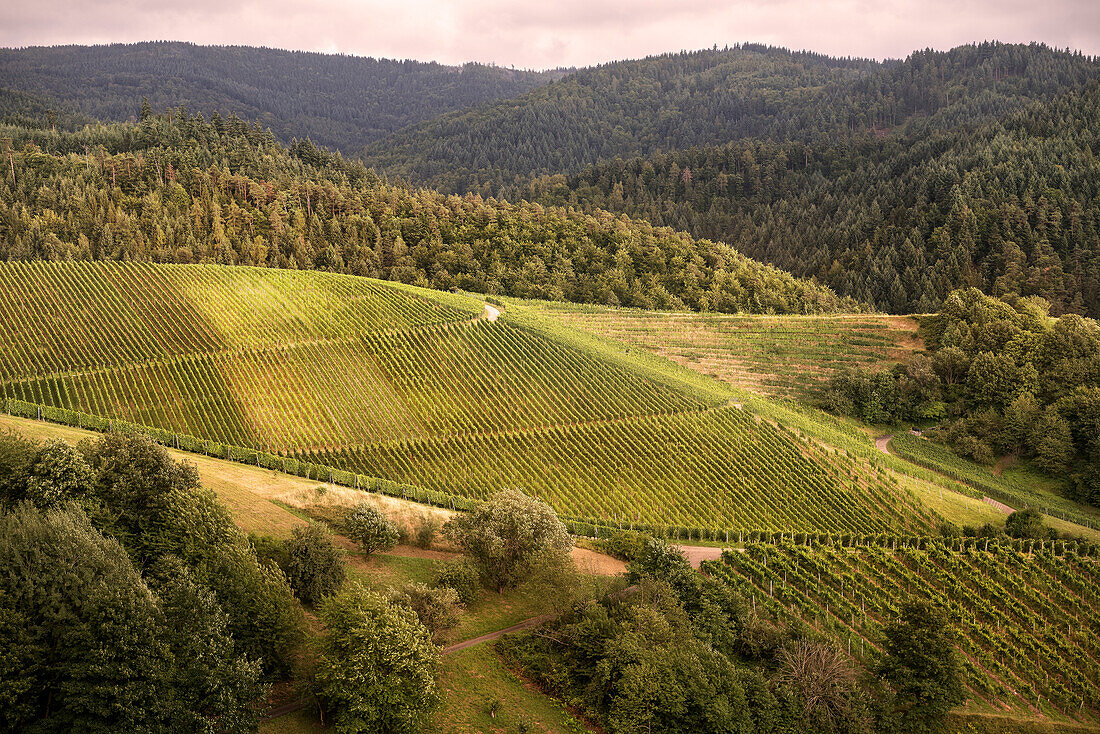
(342, 102)
(717, 96)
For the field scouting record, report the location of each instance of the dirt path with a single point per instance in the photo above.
(882, 444)
(491, 312)
(696, 554)
(489, 637)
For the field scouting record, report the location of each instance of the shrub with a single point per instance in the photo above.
(426, 531)
(314, 565)
(462, 576)
(506, 533)
(436, 606)
(626, 545)
(370, 529)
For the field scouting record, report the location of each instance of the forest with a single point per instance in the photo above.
(1009, 205)
(339, 101)
(178, 188)
(893, 183)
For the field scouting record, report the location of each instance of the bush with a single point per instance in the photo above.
(626, 545)
(1028, 524)
(370, 529)
(506, 533)
(462, 576)
(314, 565)
(436, 607)
(426, 530)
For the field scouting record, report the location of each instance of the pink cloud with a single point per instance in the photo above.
(563, 33)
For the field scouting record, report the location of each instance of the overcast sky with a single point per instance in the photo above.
(554, 33)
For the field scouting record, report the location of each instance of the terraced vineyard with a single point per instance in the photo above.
(1029, 622)
(416, 387)
(788, 356)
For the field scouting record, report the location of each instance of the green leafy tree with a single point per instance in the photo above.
(923, 666)
(1051, 441)
(16, 453)
(370, 529)
(462, 576)
(212, 686)
(506, 534)
(314, 565)
(377, 666)
(82, 632)
(156, 507)
(57, 474)
(1028, 524)
(436, 607)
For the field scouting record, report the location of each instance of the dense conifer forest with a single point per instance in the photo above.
(338, 101)
(892, 182)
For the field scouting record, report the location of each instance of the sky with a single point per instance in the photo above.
(555, 33)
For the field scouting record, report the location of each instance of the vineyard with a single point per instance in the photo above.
(414, 387)
(788, 356)
(1028, 618)
(718, 468)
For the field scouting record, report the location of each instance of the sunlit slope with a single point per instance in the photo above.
(789, 356)
(421, 388)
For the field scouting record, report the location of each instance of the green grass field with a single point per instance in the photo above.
(788, 356)
(1016, 486)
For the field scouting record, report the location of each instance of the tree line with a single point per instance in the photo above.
(339, 101)
(1010, 206)
(179, 188)
(999, 377)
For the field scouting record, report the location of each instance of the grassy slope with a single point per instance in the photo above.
(785, 356)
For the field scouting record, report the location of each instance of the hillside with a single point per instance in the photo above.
(178, 189)
(1000, 596)
(339, 101)
(713, 97)
(777, 356)
(897, 221)
(893, 183)
(422, 389)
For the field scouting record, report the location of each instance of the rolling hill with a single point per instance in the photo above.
(342, 102)
(421, 389)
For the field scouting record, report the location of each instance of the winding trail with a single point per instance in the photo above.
(882, 443)
(490, 636)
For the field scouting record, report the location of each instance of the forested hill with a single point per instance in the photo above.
(338, 101)
(1011, 205)
(174, 188)
(714, 97)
